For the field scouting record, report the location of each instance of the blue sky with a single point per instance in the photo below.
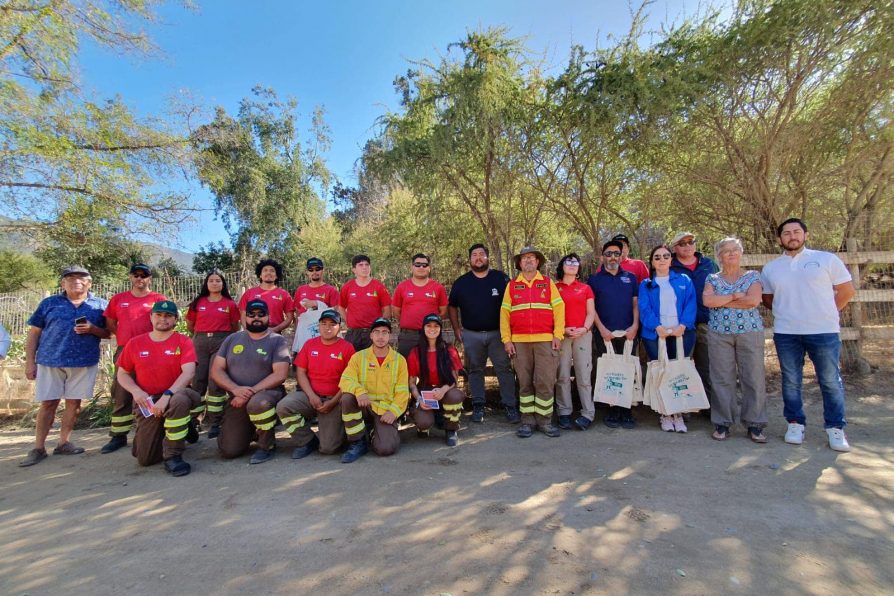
(341, 55)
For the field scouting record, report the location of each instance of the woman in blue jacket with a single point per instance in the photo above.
(667, 309)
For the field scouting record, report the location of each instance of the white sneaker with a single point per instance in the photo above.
(795, 433)
(837, 439)
(667, 424)
(679, 424)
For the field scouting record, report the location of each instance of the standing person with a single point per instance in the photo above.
(159, 366)
(278, 300)
(361, 301)
(617, 309)
(806, 289)
(475, 297)
(319, 366)
(316, 294)
(736, 342)
(128, 316)
(638, 268)
(374, 392)
(532, 327)
(210, 318)
(580, 312)
(433, 366)
(62, 353)
(690, 262)
(667, 308)
(251, 366)
(413, 299)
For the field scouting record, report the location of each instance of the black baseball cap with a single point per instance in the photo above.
(332, 315)
(621, 238)
(141, 267)
(432, 318)
(380, 322)
(257, 305)
(314, 262)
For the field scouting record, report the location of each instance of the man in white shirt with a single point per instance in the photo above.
(806, 289)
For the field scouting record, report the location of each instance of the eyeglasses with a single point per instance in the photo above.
(572, 262)
(314, 268)
(612, 253)
(255, 315)
(686, 243)
(420, 264)
(664, 257)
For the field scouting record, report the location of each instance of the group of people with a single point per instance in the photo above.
(355, 387)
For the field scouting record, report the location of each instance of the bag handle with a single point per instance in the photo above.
(662, 350)
(628, 347)
(609, 347)
(681, 355)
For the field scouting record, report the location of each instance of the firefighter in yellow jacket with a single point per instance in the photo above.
(375, 392)
(532, 327)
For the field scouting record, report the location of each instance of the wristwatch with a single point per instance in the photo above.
(168, 392)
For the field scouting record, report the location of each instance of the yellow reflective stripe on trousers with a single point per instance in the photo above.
(262, 415)
(269, 415)
(120, 419)
(542, 411)
(292, 423)
(347, 417)
(217, 399)
(198, 409)
(356, 429)
(120, 430)
(215, 408)
(526, 404)
(176, 436)
(544, 403)
(175, 422)
(526, 399)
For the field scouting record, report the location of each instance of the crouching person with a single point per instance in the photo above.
(156, 368)
(375, 393)
(251, 366)
(319, 366)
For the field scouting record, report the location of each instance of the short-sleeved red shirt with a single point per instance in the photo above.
(156, 364)
(434, 379)
(417, 301)
(575, 296)
(278, 301)
(213, 317)
(324, 364)
(132, 314)
(325, 293)
(363, 304)
(637, 268)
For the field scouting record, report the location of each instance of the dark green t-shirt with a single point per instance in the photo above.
(250, 360)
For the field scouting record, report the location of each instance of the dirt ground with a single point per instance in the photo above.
(602, 511)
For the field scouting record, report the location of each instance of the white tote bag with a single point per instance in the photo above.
(615, 377)
(307, 327)
(681, 388)
(654, 373)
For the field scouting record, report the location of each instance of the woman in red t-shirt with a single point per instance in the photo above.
(210, 317)
(577, 347)
(432, 366)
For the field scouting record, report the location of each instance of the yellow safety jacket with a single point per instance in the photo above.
(532, 310)
(385, 384)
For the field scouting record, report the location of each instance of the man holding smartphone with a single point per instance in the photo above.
(62, 353)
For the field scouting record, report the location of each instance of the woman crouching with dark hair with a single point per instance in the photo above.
(432, 366)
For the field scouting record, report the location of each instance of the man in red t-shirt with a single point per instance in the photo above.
(634, 266)
(278, 301)
(127, 315)
(318, 365)
(414, 298)
(315, 294)
(361, 301)
(156, 369)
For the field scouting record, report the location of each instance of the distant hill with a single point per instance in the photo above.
(24, 243)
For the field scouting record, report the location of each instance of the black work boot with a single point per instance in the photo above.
(477, 413)
(192, 432)
(114, 444)
(357, 450)
(175, 466)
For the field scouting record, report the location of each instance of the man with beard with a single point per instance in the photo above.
(315, 294)
(635, 266)
(474, 309)
(413, 299)
(278, 300)
(156, 369)
(251, 366)
(128, 316)
(532, 327)
(806, 289)
(616, 292)
(319, 366)
(362, 300)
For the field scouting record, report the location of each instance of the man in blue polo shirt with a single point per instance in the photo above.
(62, 353)
(616, 292)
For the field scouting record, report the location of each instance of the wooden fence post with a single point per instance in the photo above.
(853, 350)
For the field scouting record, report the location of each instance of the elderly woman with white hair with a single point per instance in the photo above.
(736, 343)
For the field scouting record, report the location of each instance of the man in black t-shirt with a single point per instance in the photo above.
(475, 297)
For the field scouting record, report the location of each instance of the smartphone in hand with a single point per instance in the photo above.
(81, 321)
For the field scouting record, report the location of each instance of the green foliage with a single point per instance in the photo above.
(20, 271)
(168, 267)
(213, 256)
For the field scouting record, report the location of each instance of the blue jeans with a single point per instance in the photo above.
(688, 345)
(824, 350)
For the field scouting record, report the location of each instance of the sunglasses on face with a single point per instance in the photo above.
(686, 243)
(664, 257)
(572, 262)
(612, 253)
(420, 264)
(255, 315)
(314, 268)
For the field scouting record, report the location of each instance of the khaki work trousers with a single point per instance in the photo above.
(738, 356)
(206, 345)
(239, 425)
(536, 364)
(451, 407)
(385, 438)
(294, 410)
(159, 438)
(122, 404)
(580, 351)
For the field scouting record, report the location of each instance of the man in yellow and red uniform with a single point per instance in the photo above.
(127, 316)
(532, 327)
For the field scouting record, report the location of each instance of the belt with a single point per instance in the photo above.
(212, 333)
